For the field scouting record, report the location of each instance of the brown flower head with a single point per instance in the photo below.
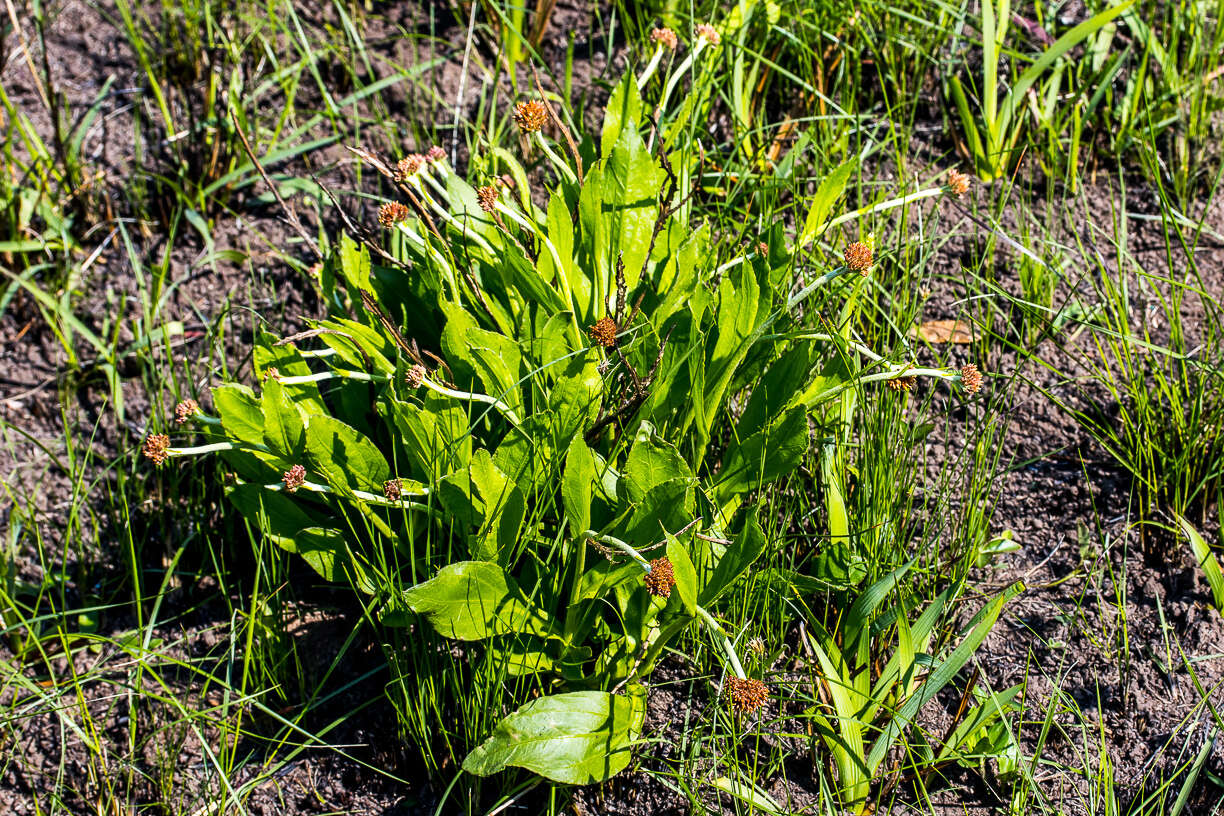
(665, 37)
(745, 695)
(408, 166)
(157, 448)
(902, 383)
(415, 376)
(858, 257)
(707, 32)
(531, 116)
(971, 379)
(487, 197)
(272, 373)
(958, 182)
(294, 478)
(435, 154)
(391, 214)
(660, 579)
(392, 489)
(604, 332)
(762, 249)
(185, 410)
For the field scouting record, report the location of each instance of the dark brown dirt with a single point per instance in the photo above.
(1116, 647)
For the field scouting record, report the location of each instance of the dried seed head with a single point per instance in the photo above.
(660, 579)
(958, 182)
(185, 410)
(415, 376)
(272, 373)
(858, 257)
(757, 646)
(392, 489)
(745, 695)
(707, 32)
(294, 478)
(604, 332)
(157, 448)
(487, 197)
(435, 154)
(971, 379)
(902, 383)
(665, 37)
(391, 214)
(531, 116)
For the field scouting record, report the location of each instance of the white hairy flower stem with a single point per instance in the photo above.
(651, 66)
(891, 204)
(560, 165)
(365, 496)
(445, 215)
(802, 295)
(211, 448)
(859, 347)
(428, 248)
(334, 374)
(472, 396)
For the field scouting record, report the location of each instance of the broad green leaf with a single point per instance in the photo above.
(496, 360)
(577, 738)
(284, 431)
(240, 413)
(354, 262)
(577, 486)
(830, 190)
(745, 549)
(763, 457)
(624, 110)
(576, 397)
(471, 600)
(684, 572)
(346, 459)
(652, 461)
(328, 553)
(503, 507)
(518, 657)
(277, 515)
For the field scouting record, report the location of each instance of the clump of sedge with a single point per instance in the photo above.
(294, 478)
(157, 448)
(858, 257)
(746, 695)
(665, 37)
(661, 578)
(185, 410)
(391, 214)
(604, 332)
(530, 116)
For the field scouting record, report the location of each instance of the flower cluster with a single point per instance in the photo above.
(530, 116)
(435, 154)
(902, 383)
(294, 478)
(185, 410)
(391, 214)
(392, 488)
(157, 448)
(858, 257)
(486, 197)
(971, 379)
(746, 695)
(409, 166)
(707, 32)
(665, 37)
(604, 332)
(661, 578)
(958, 182)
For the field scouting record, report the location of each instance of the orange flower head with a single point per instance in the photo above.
(391, 213)
(604, 332)
(531, 116)
(157, 448)
(435, 154)
(971, 379)
(958, 182)
(409, 166)
(185, 410)
(487, 197)
(707, 32)
(902, 383)
(745, 695)
(415, 376)
(661, 578)
(392, 489)
(858, 257)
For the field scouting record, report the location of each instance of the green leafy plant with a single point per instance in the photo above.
(540, 429)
